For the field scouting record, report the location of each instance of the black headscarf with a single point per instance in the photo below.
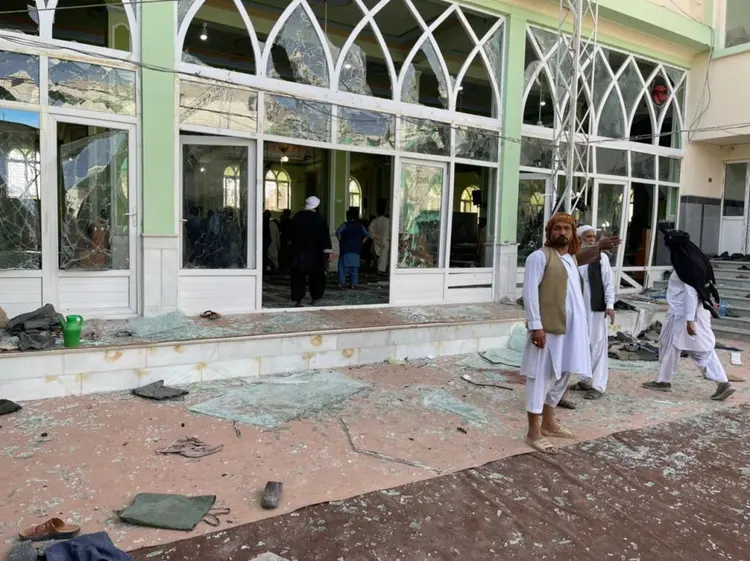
(693, 267)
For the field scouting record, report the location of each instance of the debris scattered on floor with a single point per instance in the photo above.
(440, 400)
(271, 495)
(7, 407)
(467, 378)
(210, 314)
(37, 330)
(735, 359)
(159, 392)
(91, 547)
(268, 556)
(3, 319)
(191, 447)
(508, 357)
(52, 529)
(272, 402)
(167, 511)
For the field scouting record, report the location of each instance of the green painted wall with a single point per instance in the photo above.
(510, 158)
(158, 117)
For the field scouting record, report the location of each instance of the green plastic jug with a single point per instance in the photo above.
(71, 328)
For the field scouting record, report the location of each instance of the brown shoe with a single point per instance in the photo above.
(53, 529)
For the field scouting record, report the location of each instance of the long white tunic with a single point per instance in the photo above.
(685, 306)
(569, 353)
(598, 335)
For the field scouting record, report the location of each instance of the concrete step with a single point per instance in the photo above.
(726, 332)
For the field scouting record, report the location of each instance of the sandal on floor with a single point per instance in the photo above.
(566, 404)
(580, 387)
(212, 516)
(53, 529)
(542, 445)
(561, 432)
(213, 316)
(593, 394)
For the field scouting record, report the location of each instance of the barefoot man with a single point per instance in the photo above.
(558, 343)
(691, 295)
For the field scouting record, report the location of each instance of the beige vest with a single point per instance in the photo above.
(552, 293)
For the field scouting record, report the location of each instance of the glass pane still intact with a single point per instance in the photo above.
(213, 105)
(420, 221)
(472, 231)
(610, 200)
(735, 180)
(669, 169)
(477, 144)
(20, 191)
(366, 128)
(530, 225)
(89, 86)
(93, 198)
(612, 162)
(214, 207)
(425, 137)
(643, 165)
(19, 77)
(737, 23)
(286, 116)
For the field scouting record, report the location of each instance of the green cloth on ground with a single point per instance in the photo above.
(171, 512)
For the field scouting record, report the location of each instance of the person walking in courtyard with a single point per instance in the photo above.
(558, 342)
(351, 235)
(599, 297)
(380, 232)
(692, 298)
(310, 251)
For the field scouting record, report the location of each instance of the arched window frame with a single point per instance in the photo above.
(275, 181)
(467, 202)
(355, 194)
(232, 187)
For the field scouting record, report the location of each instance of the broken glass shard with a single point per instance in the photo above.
(425, 137)
(419, 224)
(357, 127)
(214, 105)
(296, 118)
(89, 86)
(19, 77)
(477, 144)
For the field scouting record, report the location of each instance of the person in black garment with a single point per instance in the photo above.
(310, 251)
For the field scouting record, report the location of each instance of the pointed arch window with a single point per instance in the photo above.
(278, 190)
(467, 200)
(232, 187)
(355, 194)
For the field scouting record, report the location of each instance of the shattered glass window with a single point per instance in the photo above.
(215, 207)
(477, 144)
(530, 224)
(425, 137)
(472, 231)
(214, 105)
(669, 169)
(92, 22)
(536, 152)
(93, 198)
(612, 162)
(19, 77)
(419, 221)
(183, 6)
(643, 165)
(296, 118)
(92, 87)
(609, 212)
(297, 54)
(20, 191)
(19, 15)
(366, 128)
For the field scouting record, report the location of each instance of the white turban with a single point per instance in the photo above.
(311, 203)
(583, 229)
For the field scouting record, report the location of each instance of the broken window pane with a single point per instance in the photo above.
(641, 128)
(536, 152)
(494, 50)
(214, 207)
(546, 39)
(669, 169)
(612, 162)
(92, 22)
(366, 128)
(19, 77)
(630, 86)
(419, 220)
(476, 144)
(540, 108)
(471, 228)
(183, 7)
(643, 165)
(297, 54)
(365, 70)
(637, 243)
(93, 198)
(612, 118)
(665, 218)
(19, 15)
(424, 80)
(214, 105)
(609, 212)
(89, 86)
(530, 225)
(296, 118)
(602, 79)
(20, 191)
(425, 137)
(217, 37)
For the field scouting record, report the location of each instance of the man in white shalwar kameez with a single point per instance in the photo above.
(599, 296)
(558, 343)
(687, 325)
(380, 232)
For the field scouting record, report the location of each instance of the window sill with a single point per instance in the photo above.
(731, 51)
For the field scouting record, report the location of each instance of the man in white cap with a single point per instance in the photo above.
(310, 248)
(599, 297)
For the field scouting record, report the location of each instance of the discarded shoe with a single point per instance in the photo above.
(7, 407)
(159, 391)
(624, 306)
(271, 495)
(53, 529)
(209, 314)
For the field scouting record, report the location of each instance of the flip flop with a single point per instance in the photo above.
(566, 404)
(212, 516)
(53, 529)
(593, 394)
(579, 387)
(208, 314)
(542, 445)
(561, 432)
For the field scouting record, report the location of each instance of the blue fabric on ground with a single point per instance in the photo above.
(91, 547)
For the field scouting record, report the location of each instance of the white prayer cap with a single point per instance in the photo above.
(583, 229)
(311, 203)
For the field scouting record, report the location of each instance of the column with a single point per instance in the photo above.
(161, 260)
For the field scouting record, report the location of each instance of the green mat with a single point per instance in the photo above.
(171, 512)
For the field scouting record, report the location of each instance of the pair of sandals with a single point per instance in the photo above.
(590, 394)
(545, 446)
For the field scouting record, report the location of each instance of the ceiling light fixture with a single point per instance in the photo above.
(284, 159)
(204, 32)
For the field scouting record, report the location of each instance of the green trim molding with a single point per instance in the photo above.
(732, 51)
(158, 90)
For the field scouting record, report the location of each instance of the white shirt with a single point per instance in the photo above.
(609, 287)
(685, 306)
